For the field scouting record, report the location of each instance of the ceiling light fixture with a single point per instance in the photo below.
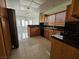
(28, 7)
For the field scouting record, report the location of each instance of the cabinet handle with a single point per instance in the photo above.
(0, 19)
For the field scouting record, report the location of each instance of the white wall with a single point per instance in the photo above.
(29, 14)
(33, 15)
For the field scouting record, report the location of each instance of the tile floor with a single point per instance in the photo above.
(32, 48)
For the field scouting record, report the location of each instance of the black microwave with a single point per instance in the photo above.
(72, 29)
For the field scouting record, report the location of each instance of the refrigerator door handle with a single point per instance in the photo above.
(0, 19)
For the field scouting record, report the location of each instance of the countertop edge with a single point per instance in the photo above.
(65, 42)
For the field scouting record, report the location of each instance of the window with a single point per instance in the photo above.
(30, 22)
(51, 20)
(23, 35)
(26, 23)
(23, 23)
(18, 22)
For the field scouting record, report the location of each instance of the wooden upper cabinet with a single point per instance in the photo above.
(42, 18)
(51, 20)
(60, 18)
(69, 16)
(75, 8)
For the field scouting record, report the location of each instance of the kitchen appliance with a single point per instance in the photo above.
(13, 28)
(42, 29)
(71, 31)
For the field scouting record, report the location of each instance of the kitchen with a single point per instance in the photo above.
(59, 29)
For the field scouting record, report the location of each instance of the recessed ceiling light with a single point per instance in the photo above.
(28, 7)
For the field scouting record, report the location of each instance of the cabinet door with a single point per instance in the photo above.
(2, 46)
(34, 31)
(37, 31)
(61, 50)
(75, 8)
(56, 51)
(69, 17)
(31, 32)
(0, 7)
(6, 34)
(69, 52)
(50, 33)
(42, 18)
(3, 12)
(46, 33)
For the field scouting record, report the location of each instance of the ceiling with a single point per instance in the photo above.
(58, 8)
(31, 3)
(50, 4)
(23, 7)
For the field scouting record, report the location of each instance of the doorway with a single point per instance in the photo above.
(22, 26)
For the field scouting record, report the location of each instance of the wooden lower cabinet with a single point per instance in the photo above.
(51, 32)
(34, 31)
(70, 52)
(56, 50)
(61, 50)
(46, 33)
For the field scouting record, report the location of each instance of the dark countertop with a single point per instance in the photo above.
(48, 27)
(66, 40)
(33, 25)
(54, 27)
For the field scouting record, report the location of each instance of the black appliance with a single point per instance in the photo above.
(13, 28)
(42, 29)
(71, 31)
